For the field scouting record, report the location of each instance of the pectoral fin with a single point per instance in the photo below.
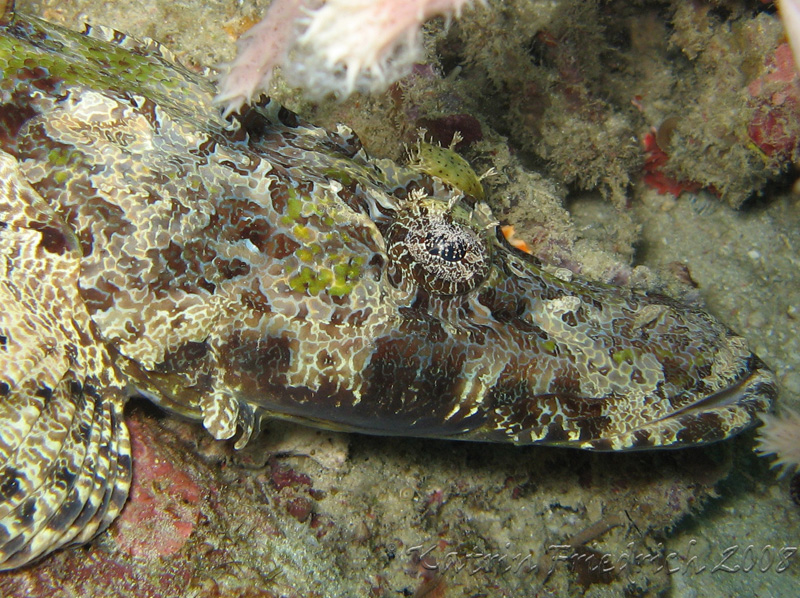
(65, 460)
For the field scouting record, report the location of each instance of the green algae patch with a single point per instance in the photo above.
(623, 355)
(336, 282)
(308, 253)
(345, 277)
(342, 175)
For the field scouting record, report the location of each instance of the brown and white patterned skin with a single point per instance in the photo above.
(63, 443)
(234, 270)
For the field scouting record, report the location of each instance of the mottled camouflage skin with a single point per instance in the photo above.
(269, 267)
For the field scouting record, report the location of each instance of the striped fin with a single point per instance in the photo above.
(64, 449)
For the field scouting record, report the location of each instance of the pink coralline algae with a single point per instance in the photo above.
(654, 175)
(300, 508)
(775, 125)
(286, 477)
(164, 503)
(294, 491)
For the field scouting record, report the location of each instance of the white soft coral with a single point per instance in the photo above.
(261, 49)
(790, 13)
(341, 47)
(780, 436)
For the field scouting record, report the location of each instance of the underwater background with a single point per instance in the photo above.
(648, 144)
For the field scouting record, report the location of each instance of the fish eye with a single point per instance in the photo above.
(449, 246)
(438, 247)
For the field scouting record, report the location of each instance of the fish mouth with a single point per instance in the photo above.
(720, 415)
(759, 384)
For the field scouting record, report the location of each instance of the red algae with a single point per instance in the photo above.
(164, 502)
(654, 174)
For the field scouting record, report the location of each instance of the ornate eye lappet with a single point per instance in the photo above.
(440, 246)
